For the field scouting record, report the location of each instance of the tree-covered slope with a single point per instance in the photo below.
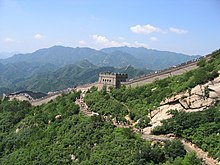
(72, 75)
(12, 73)
(56, 133)
(43, 78)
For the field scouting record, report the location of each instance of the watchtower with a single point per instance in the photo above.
(112, 79)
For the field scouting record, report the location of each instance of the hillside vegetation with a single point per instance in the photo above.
(56, 133)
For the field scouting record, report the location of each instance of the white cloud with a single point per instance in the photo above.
(39, 36)
(59, 43)
(125, 44)
(82, 42)
(178, 31)
(138, 44)
(8, 39)
(121, 38)
(153, 38)
(105, 42)
(102, 40)
(145, 29)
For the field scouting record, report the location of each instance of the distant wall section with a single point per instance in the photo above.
(160, 75)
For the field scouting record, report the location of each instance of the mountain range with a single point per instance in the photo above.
(59, 67)
(115, 56)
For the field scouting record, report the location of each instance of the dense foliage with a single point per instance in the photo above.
(202, 128)
(56, 133)
(104, 104)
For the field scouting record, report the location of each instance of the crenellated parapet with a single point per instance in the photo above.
(112, 79)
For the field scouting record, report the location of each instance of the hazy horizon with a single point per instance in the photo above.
(4, 55)
(188, 27)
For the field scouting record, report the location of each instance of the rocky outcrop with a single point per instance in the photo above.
(197, 99)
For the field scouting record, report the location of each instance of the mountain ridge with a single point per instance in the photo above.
(155, 57)
(115, 56)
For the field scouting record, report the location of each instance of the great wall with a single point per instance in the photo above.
(176, 70)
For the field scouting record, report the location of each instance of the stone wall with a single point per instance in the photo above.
(160, 75)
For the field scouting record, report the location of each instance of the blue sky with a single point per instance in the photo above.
(186, 26)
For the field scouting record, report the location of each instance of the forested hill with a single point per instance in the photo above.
(116, 57)
(45, 77)
(14, 72)
(73, 75)
(57, 133)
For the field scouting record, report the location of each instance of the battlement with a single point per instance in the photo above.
(112, 79)
(112, 73)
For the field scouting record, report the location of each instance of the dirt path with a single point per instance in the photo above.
(156, 137)
(83, 107)
(189, 147)
(85, 110)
